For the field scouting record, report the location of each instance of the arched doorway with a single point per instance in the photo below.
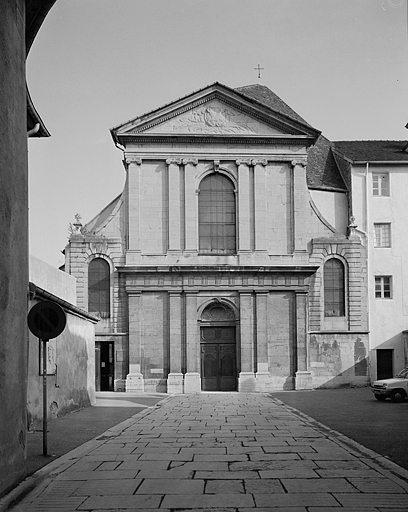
(218, 350)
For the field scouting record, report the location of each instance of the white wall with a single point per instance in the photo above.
(388, 317)
(53, 280)
(333, 207)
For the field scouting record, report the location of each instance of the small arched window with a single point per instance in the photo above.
(216, 215)
(334, 288)
(99, 287)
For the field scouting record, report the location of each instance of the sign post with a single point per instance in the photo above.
(45, 419)
(46, 320)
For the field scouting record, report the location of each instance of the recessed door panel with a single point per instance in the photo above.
(227, 365)
(209, 367)
(218, 366)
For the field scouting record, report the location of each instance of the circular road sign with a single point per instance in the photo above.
(46, 320)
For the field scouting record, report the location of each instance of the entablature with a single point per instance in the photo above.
(192, 278)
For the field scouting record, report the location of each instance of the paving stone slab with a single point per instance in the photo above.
(273, 456)
(171, 486)
(264, 486)
(346, 473)
(208, 501)
(273, 464)
(291, 500)
(286, 509)
(288, 473)
(375, 485)
(107, 487)
(120, 502)
(98, 475)
(373, 500)
(226, 475)
(225, 487)
(300, 485)
(170, 473)
(143, 464)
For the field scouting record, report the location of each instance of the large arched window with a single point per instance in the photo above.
(334, 288)
(99, 287)
(216, 215)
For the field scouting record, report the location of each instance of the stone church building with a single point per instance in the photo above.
(228, 262)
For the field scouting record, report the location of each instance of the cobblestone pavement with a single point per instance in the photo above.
(226, 451)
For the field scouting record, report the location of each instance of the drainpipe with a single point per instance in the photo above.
(368, 263)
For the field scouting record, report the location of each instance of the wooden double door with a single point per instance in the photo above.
(218, 359)
(104, 366)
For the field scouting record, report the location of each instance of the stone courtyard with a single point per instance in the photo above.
(226, 451)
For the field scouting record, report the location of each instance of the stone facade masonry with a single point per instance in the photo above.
(253, 319)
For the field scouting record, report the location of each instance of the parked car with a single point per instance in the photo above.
(395, 388)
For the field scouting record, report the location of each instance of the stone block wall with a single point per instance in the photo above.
(338, 360)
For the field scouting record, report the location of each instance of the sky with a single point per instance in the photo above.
(95, 64)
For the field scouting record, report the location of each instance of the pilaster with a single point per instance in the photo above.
(175, 377)
(134, 379)
(300, 205)
(260, 203)
(303, 376)
(263, 376)
(191, 213)
(174, 204)
(244, 220)
(246, 379)
(133, 166)
(192, 379)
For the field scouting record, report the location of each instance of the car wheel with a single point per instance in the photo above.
(398, 395)
(381, 398)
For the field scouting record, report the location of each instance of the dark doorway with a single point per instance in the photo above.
(104, 366)
(385, 368)
(218, 359)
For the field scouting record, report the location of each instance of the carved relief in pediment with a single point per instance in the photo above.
(214, 118)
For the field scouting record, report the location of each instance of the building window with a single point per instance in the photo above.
(383, 287)
(382, 235)
(334, 288)
(99, 287)
(381, 184)
(216, 215)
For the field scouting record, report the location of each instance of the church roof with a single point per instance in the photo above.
(264, 95)
(373, 150)
(322, 170)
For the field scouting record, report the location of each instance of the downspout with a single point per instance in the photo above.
(367, 265)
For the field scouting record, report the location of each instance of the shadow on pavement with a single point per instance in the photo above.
(75, 429)
(354, 412)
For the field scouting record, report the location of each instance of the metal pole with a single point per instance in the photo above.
(45, 422)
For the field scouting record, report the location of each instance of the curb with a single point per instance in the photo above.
(40, 479)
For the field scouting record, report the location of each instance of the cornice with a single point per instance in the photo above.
(216, 138)
(228, 269)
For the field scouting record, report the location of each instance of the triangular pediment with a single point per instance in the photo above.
(215, 110)
(214, 117)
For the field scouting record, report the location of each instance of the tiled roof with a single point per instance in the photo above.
(264, 95)
(322, 171)
(373, 150)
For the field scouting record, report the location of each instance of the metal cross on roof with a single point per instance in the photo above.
(258, 68)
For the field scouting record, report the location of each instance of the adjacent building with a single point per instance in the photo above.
(378, 174)
(228, 262)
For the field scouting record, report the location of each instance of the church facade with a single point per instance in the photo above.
(228, 263)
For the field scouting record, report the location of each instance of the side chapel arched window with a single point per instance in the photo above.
(216, 215)
(99, 287)
(334, 288)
